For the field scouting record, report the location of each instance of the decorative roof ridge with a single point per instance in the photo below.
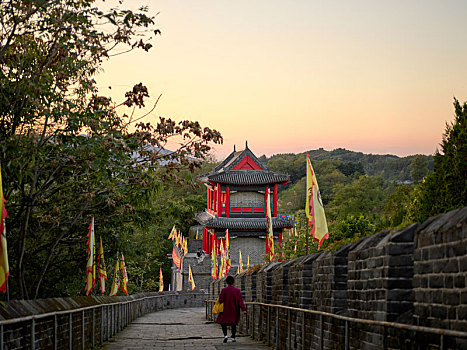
(246, 152)
(225, 161)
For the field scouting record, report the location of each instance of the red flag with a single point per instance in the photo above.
(124, 277)
(4, 266)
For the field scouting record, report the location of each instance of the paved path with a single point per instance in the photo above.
(178, 329)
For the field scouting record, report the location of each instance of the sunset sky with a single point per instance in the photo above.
(289, 76)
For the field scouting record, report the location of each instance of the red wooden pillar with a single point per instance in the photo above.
(274, 201)
(227, 204)
(204, 247)
(266, 198)
(214, 243)
(219, 202)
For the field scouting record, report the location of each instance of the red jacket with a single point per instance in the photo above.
(233, 302)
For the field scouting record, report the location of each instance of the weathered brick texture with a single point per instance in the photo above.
(417, 275)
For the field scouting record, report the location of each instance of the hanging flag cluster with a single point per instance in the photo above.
(4, 267)
(314, 208)
(270, 235)
(91, 262)
(179, 240)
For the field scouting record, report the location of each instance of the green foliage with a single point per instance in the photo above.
(69, 153)
(365, 196)
(418, 168)
(352, 226)
(445, 188)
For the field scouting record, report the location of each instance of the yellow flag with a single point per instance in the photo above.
(222, 255)
(161, 280)
(213, 264)
(124, 277)
(4, 266)
(116, 282)
(227, 250)
(172, 233)
(270, 237)
(101, 266)
(197, 231)
(240, 261)
(314, 206)
(190, 278)
(90, 266)
(185, 246)
(248, 263)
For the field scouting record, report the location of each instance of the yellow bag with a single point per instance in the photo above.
(218, 307)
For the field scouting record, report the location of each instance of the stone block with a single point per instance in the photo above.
(406, 234)
(436, 281)
(459, 281)
(451, 297)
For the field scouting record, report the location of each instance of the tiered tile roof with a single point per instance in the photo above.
(247, 223)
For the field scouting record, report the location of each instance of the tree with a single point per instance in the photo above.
(445, 188)
(363, 196)
(66, 152)
(418, 168)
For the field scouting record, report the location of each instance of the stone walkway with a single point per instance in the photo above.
(178, 329)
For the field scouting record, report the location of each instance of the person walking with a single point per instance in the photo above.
(233, 302)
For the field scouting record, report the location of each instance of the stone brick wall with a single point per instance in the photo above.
(103, 319)
(440, 279)
(249, 246)
(417, 275)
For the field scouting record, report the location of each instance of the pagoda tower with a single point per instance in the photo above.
(236, 201)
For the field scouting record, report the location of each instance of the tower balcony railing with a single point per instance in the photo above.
(246, 208)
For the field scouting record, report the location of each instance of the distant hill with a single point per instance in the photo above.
(390, 167)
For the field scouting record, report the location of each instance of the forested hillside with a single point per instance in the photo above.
(389, 167)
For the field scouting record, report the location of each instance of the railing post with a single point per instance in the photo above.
(93, 326)
(303, 331)
(269, 325)
(82, 329)
(102, 326)
(289, 329)
(55, 345)
(277, 328)
(441, 342)
(70, 340)
(346, 340)
(1, 337)
(253, 317)
(33, 333)
(384, 338)
(321, 333)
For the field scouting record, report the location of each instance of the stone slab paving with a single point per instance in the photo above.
(178, 329)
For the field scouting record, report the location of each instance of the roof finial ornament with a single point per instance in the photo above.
(246, 144)
(234, 148)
